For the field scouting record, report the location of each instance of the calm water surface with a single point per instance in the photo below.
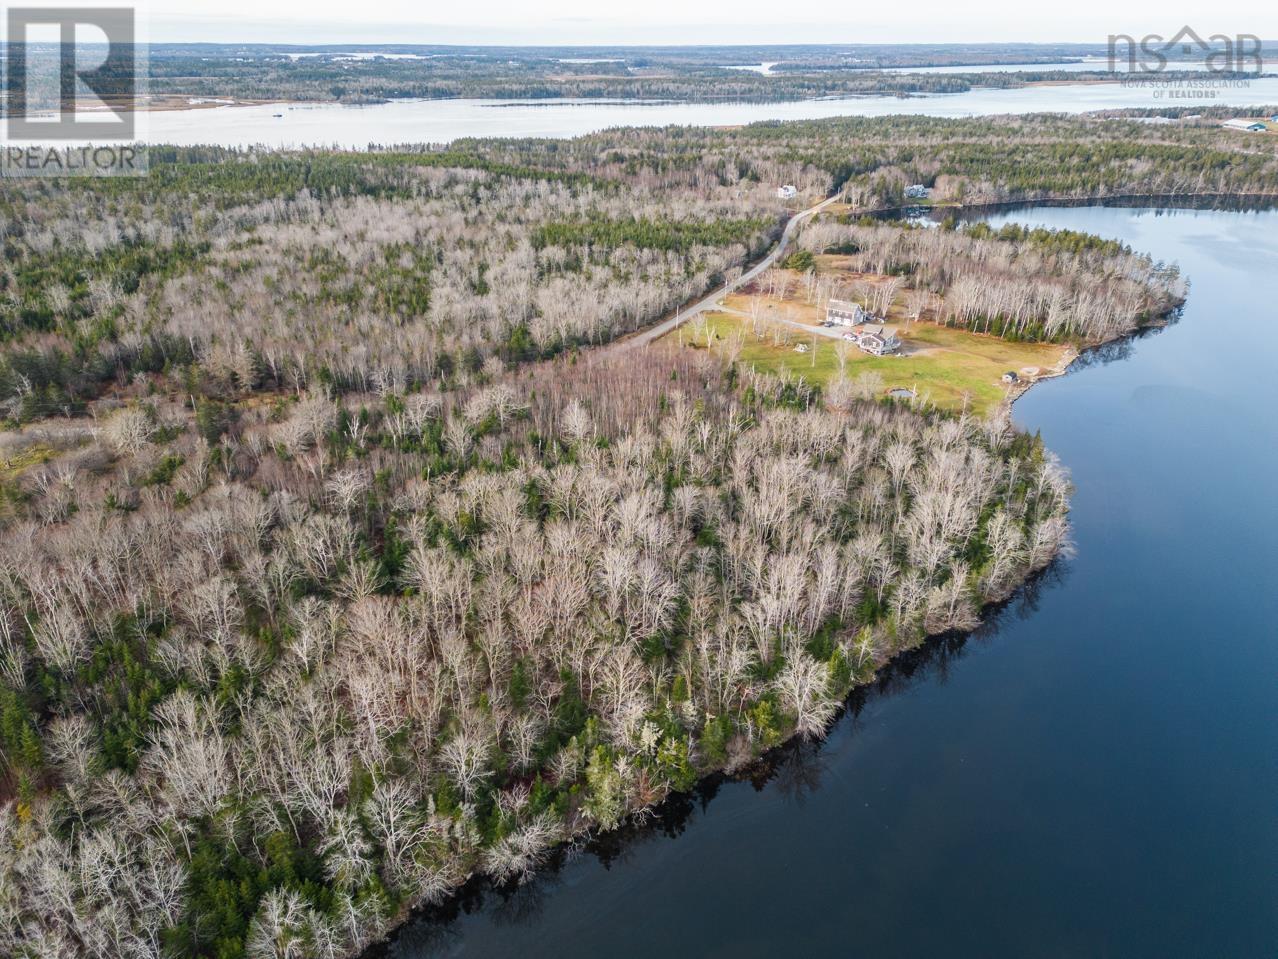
(441, 121)
(1095, 774)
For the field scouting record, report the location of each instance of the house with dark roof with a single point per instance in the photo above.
(844, 313)
(875, 340)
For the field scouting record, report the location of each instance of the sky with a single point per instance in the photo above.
(578, 22)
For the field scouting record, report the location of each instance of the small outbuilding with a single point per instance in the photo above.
(1011, 377)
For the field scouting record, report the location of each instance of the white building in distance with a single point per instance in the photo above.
(1251, 126)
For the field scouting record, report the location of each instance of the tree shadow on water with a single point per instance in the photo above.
(795, 769)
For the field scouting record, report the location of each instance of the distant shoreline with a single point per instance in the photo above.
(165, 102)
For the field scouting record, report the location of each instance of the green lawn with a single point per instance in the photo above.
(957, 364)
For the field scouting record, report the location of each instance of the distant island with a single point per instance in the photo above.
(375, 74)
(346, 554)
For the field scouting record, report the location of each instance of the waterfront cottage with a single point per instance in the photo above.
(878, 341)
(875, 340)
(917, 191)
(1010, 377)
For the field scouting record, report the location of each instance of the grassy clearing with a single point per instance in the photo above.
(771, 308)
(947, 367)
(14, 464)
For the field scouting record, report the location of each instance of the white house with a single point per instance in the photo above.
(1252, 126)
(844, 313)
(787, 192)
(875, 340)
(917, 191)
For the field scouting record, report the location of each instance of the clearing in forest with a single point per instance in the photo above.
(773, 328)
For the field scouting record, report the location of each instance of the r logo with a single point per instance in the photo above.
(73, 73)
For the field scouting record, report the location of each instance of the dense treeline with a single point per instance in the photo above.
(334, 569)
(239, 271)
(1016, 282)
(646, 234)
(372, 81)
(371, 74)
(689, 73)
(1069, 241)
(979, 160)
(265, 691)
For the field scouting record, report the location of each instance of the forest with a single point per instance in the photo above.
(870, 160)
(269, 683)
(362, 74)
(1018, 283)
(366, 74)
(249, 270)
(341, 561)
(252, 271)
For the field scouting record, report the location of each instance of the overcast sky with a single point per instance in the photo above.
(701, 21)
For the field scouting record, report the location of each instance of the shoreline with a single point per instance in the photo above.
(173, 101)
(475, 884)
(639, 821)
(793, 225)
(1210, 199)
(1077, 351)
(903, 664)
(867, 640)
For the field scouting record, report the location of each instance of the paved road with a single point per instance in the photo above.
(709, 302)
